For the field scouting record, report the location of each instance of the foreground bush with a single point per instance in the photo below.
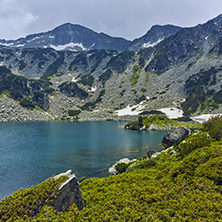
(25, 203)
(214, 126)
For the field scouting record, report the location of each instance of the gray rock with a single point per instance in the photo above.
(41, 99)
(175, 136)
(153, 127)
(112, 170)
(68, 193)
(150, 153)
(173, 152)
(155, 154)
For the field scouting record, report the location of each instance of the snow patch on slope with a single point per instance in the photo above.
(68, 45)
(93, 89)
(133, 110)
(204, 117)
(37, 37)
(6, 44)
(149, 44)
(172, 112)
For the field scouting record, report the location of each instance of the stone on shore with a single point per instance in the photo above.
(175, 136)
(112, 170)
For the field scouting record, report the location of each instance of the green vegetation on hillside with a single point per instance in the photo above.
(25, 203)
(160, 122)
(74, 112)
(182, 187)
(135, 76)
(87, 80)
(27, 103)
(91, 105)
(106, 75)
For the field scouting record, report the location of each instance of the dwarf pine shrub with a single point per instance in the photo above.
(214, 126)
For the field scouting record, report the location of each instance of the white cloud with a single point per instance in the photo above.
(15, 18)
(125, 18)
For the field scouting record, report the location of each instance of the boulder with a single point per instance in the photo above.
(175, 136)
(154, 127)
(150, 153)
(154, 155)
(68, 193)
(112, 170)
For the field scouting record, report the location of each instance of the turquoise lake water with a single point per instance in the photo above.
(31, 152)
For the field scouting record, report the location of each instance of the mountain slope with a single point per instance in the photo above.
(182, 71)
(199, 41)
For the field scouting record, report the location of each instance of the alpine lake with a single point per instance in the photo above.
(31, 152)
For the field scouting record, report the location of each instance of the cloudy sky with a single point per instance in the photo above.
(123, 18)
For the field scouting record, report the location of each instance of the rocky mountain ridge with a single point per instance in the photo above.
(184, 71)
(70, 37)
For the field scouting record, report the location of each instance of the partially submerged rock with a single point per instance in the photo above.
(175, 136)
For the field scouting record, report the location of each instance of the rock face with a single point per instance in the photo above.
(175, 136)
(172, 73)
(71, 89)
(41, 99)
(68, 193)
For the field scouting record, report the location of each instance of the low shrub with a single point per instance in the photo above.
(121, 167)
(214, 126)
(212, 170)
(142, 164)
(133, 125)
(74, 112)
(27, 202)
(191, 143)
(156, 112)
(27, 103)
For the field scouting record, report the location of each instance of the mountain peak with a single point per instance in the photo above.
(155, 35)
(72, 37)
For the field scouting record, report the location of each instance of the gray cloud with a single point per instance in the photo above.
(125, 18)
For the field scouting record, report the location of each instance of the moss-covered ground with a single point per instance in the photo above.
(182, 187)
